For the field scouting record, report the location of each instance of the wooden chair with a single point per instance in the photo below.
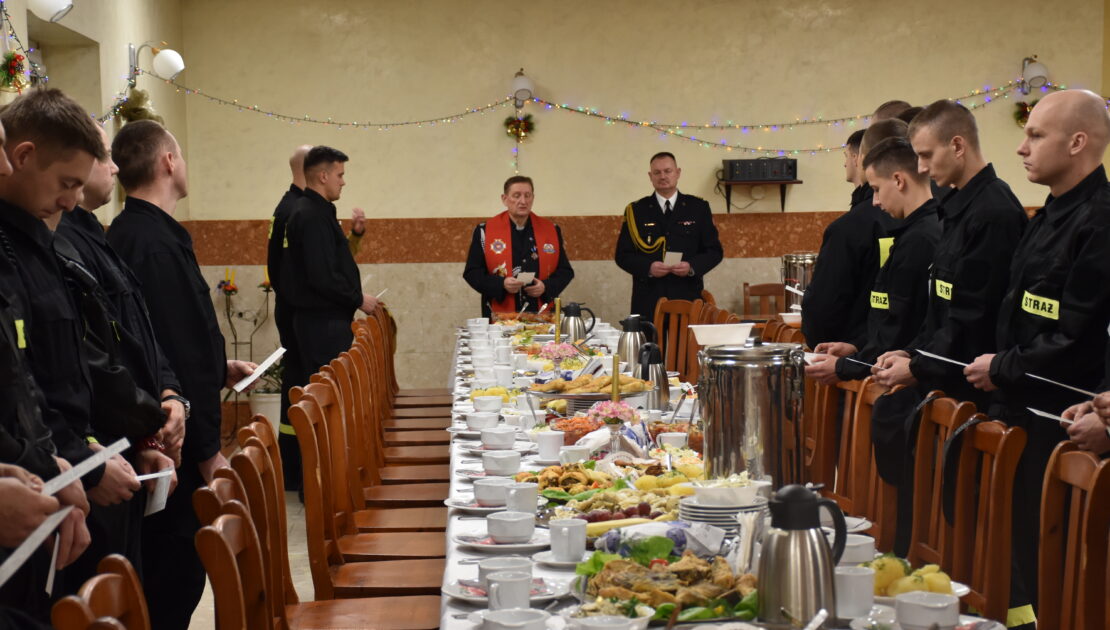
(225, 486)
(708, 298)
(708, 314)
(981, 555)
(849, 488)
(414, 419)
(1075, 521)
(672, 321)
(771, 298)
(232, 556)
(390, 326)
(343, 493)
(789, 334)
(356, 403)
(113, 598)
(771, 329)
(931, 538)
(413, 407)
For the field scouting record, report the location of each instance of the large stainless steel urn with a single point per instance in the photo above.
(797, 271)
(747, 395)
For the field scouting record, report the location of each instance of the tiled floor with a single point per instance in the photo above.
(204, 618)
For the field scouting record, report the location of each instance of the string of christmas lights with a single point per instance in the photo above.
(33, 69)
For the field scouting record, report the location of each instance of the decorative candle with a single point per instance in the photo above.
(616, 377)
(227, 274)
(266, 274)
(558, 317)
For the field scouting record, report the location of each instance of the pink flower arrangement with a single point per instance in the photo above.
(558, 351)
(611, 412)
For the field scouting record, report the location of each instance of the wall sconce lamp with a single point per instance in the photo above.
(521, 89)
(167, 62)
(1034, 75)
(50, 10)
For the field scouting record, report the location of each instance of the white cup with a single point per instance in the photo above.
(572, 454)
(523, 382)
(498, 564)
(478, 420)
(515, 619)
(478, 321)
(677, 440)
(502, 341)
(654, 415)
(491, 492)
(483, 359)
(482, 383)
(484, 374)
(480, 343)
(477, 331)
(503, 355)
(858, 549)
(512, 417)
(501, 462)
(503, 374)
(509, 589)
(511, 527)
(519, 360)
(521, 496)
(495, 438)
(855, 591)
(488, 403)
(602, 622)
(568, 539)
(529, 418)
(919, 610)
(550, 443)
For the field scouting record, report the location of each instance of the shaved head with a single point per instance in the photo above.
(296, 164)
(1065, 138)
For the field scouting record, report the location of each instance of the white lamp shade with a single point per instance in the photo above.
(522, 87)
(50, 10)
(1035, 75)
(168, 63)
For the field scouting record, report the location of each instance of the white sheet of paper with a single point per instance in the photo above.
(794, 290)
(265, 365)
(1050, 416)
(62, 480)
(672, 258)
(940, 358)
(156, 502)
(526, 277)
(165, 472)
(53, 567)
(32, 542)
(795, 307)
(381, 293)
(811, 357)
(366, 280)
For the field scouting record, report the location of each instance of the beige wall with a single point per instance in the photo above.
(693, 61)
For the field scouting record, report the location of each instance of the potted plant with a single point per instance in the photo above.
(265, 398)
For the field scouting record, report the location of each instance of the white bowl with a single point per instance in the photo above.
(922, 609)
(498, 437)
(478, 420)
(726, 495)
(501, 462)
(488, 403)
(791, 318)
(721, 334)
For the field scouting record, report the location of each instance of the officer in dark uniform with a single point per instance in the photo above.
(319, 271)
(898, 297)
(981, 222)
(667, 221)
(837, 301)
(1052, 321)
(160, 252)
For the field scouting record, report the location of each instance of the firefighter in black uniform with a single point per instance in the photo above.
(854, 246)
(898, 297)
(160, 251)
(1052, 321)
(320, 274)
(981, 223)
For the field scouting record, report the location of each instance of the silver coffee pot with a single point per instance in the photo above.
(652, 369)
(632, 339)
(795, 563)
(572, 327)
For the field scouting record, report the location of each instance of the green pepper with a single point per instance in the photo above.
(557, 494)
(744, 615)
(582, 496)
(663, 612)
(696, 613)
(749, 604)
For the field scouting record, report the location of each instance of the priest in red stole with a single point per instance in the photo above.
(512, 243)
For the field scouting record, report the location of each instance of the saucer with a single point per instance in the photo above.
(540, 540)
(464, 432)
(855, 525)
(471, 506)
(548, 558)
(471, 474)
(551, 589)
(520, 447)
(542, 462)
(959, 589)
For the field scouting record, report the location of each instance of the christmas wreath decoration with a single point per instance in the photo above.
(1021, 112)
(13, 71)
(519, 127)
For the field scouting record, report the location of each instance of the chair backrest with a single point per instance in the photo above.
(672, 321)
(356, 399)
(771, 329)
(770, 297)
(931, 539)
(260, 428)
(851, 441)
(232, 557)
(981, 557)
(1075, 521)
(208, 500)
(708, 314)
(708, 298)
(789, 334)
(819, 432)
(112, 596)
(368, 387)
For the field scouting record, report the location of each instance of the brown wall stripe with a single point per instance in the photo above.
(446, 240)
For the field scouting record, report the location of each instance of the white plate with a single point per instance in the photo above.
(691, 503)
(542, 462)
(556, 589)
(471, 475)
(959, 589)
(520, 447)
(854, 524)
(464, 432)
(469, 506)
(548, 558)
(540, 540)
